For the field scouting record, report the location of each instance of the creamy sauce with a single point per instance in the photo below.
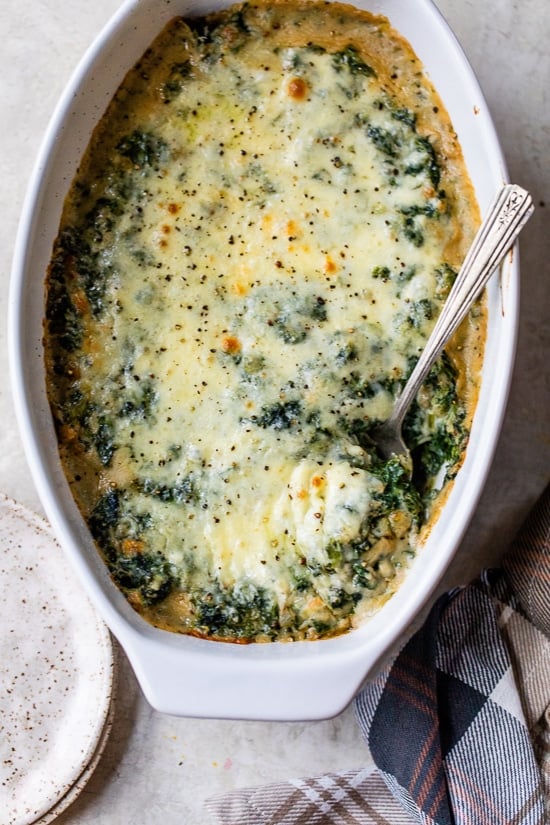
(250, 260)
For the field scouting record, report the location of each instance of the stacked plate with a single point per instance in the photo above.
(56, 675)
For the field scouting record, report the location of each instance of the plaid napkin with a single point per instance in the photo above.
(458, 725)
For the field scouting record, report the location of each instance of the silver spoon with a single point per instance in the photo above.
(507, 215)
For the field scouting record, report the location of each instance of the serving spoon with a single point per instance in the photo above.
(507, 215)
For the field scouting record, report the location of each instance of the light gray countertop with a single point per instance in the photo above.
(158, 768)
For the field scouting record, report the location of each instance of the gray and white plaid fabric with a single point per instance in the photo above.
(458, 725)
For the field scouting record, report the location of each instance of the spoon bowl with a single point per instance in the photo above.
(507, 215)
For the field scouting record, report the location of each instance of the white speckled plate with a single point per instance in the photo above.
(56, 674)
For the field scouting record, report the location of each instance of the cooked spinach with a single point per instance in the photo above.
(64, 320)
(179, 72)
(183, 492)
(279, 416)
(293, 319)
(145, 150)
(245, 611)
(350, 60)
(444, 446)
(399, 493)
(74, 254)
(427, 162)
(120, 533)
(138, 401)
(147, 575)
(389, 143)
(104, 518)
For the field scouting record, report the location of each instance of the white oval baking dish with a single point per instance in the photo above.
(193, 677)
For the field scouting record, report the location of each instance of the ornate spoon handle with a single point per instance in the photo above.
(508, 213)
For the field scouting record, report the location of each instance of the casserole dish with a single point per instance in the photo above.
(196, 677)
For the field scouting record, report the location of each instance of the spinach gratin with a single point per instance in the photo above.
(250, 259)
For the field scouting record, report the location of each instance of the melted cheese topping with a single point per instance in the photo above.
(249, 263)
